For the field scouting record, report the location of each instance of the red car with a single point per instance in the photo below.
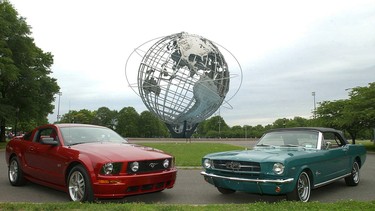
(88, 162)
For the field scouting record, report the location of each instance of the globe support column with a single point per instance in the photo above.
(185, 133)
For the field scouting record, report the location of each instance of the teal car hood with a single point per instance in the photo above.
(260, 155)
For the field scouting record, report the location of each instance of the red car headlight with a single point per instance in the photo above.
(134, 166)
(166, 163)
(111, 168)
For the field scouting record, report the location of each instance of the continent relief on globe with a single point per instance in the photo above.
(184, 78)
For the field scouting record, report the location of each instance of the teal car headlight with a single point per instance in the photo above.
(278, 168)
(207, 163)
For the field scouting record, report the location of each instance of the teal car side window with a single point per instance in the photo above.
(332, 140)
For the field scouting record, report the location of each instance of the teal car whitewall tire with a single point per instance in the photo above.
(302, 190)
(353, 179)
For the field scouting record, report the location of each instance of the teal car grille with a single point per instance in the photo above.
(241, 166)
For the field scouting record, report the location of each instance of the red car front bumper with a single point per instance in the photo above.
(121, 186)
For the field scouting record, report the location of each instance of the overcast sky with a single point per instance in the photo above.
(287, 49)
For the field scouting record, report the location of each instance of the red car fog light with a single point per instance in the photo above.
(104, 181)
(277, 189)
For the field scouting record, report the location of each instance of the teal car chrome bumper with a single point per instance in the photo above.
(260, 186)
(278, 181)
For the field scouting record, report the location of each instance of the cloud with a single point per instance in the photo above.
(287, 49)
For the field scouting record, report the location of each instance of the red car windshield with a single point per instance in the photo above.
(79, 135)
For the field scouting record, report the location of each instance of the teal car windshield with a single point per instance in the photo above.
(308, 139)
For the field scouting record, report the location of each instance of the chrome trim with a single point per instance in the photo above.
(330, 181)
(278, 181)
(229, 164)
(320, 140)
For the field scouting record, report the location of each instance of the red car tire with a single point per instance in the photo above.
(79, 185)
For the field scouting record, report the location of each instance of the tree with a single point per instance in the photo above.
(163, 130)
(281, 123)
(363, 103)
(105, 117)
(339, 114)
(128, 122)
(298, 122)
(149, 124)
(236, 132)
(212, 127)
(82, 116)
(352, 115)
(26, 89)
(295, 122)
(200, 131)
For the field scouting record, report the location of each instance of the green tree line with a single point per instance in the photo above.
(355, 116)
(127, 122)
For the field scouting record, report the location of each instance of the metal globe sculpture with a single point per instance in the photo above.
(183, 79)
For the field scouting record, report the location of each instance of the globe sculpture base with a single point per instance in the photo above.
(184, 133)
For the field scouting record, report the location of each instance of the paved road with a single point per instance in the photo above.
(190, 188)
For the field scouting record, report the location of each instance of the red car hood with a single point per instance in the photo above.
(120, 152)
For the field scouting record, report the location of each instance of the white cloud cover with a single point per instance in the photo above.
(287, 49)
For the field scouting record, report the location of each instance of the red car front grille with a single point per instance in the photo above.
(149, 166)
(149, 187)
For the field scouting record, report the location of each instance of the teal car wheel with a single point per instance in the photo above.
(353, 178)
(302, 190)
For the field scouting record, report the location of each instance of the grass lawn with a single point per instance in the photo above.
(370, 146)
(3, 144)
(190, 154)
(280, 206)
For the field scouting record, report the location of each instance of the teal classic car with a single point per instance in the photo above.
(288, 161)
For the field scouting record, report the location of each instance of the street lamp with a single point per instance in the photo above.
(314, 112)
(15, 125)
(58, 107)
(219, 122)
